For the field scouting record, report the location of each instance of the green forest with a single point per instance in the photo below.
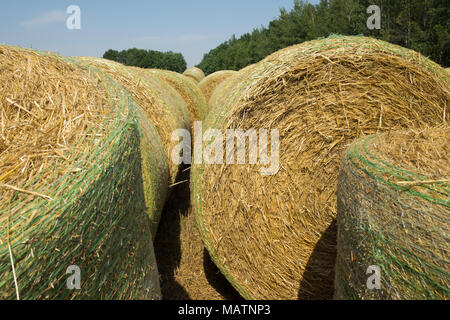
(421, 25)
(148, 59)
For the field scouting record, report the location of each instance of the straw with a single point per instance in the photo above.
(189, 91)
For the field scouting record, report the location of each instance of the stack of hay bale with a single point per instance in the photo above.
(86, 168)
(274, 236)
(222, 91)
(161, 103)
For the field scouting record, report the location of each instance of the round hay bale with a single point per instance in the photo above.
(189, 91)
(195, 74)
(393, 214)
(162, 105)
(226, 87)
(72, 195)
(274, 236)
(169, 95)
(211, 82)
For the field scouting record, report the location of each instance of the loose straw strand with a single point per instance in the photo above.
(12, 259)
(26, 191)
(414, 183)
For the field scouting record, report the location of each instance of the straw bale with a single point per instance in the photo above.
(274, 237)
(211, 82)
(195, 74)
(168, 93)
(71, 189)
(186, 271)
(161, 104)
(393, 213)
(226, 88)
(189, 91)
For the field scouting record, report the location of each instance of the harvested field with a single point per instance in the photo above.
(393, 210)
(71, 181)
(274, 237)
(168, 93)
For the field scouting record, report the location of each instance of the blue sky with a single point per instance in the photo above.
(192, 27)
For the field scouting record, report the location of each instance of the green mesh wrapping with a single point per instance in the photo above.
(402, 230)
(155, 168)
(101, 217)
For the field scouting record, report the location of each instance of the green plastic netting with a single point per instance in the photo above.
(387, 220)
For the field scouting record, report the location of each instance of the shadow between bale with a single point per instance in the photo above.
(217, 280)
(186, 269)
(320, 268)
(168, 242)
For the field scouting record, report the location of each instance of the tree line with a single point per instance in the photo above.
(148, 59)
(421, 25)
